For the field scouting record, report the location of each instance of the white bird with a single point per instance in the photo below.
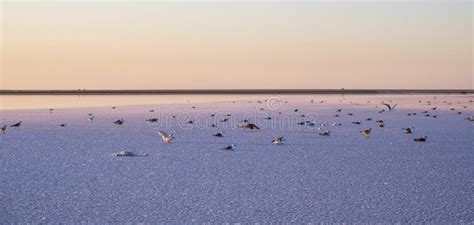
(279, 141)
(390, 107)
(229, 148)
(167, 138)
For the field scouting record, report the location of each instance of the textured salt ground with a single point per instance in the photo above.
(54, 174)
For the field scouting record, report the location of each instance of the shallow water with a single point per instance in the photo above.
(82, 101)
(52, 174)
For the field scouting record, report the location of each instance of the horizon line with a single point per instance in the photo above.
(228, 91)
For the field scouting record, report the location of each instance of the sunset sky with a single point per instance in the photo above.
(236, 44)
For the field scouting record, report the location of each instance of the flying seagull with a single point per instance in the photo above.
(167, 138)
(279, 141)
(390, 107)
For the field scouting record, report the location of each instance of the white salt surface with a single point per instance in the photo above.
(52, 174)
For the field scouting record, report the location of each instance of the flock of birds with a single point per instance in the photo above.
(168, 138)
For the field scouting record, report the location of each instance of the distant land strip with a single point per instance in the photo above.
(233, 91)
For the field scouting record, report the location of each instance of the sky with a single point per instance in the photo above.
(236, 44)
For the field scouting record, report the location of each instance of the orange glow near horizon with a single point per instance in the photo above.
(164, 45)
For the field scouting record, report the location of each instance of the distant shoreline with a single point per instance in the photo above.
(235, 91)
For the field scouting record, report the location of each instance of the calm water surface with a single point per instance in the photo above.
(80, 101)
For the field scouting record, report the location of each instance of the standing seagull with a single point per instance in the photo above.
(219, 134)
(119, 122)
(407, 130)
(4, 128)
(229, 148)
(16, 124)
(279, 141)
(167, 138)
(421, 139)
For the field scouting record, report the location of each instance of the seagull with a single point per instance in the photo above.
(251, 126)
(407, 130)
(63, 125)
(390, 107)
(279, 141)
(91, 118)
(366, 132)
(268, 118)
(167, 138)
(51, 111)
(421, 139)
(336, 124)
(229, 148)
(119, 122)
(219, 134)
(325, 133)
(152, 120)
(190, 122)
(4, 128)
(125, 153)
(356, 122)
(380, 125)
(16, 124)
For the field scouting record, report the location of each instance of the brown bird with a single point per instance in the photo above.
(366, 132)
(251, 126)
